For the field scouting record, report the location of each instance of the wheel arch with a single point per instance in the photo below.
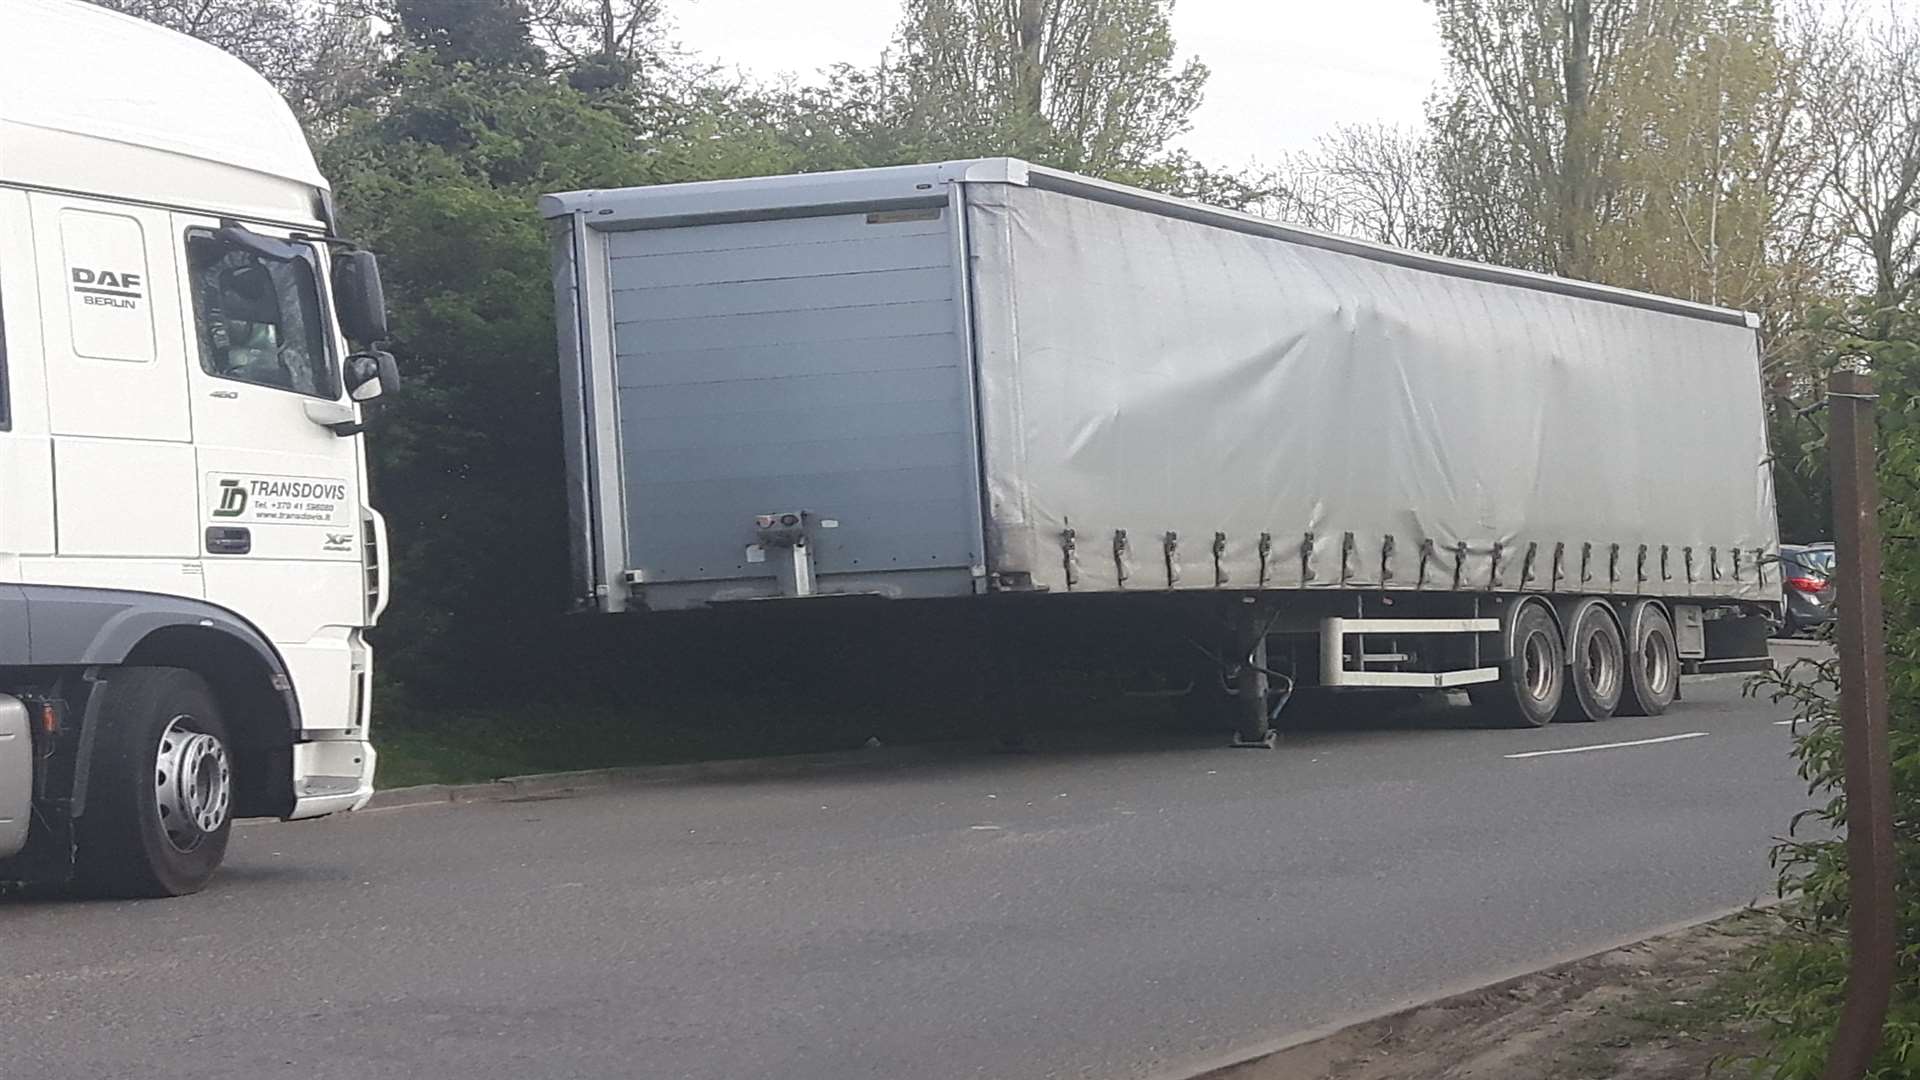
(1635, 605)
(1569, 609)
(1510, 615)
(259, 717)
(245, 680)
(79, 628)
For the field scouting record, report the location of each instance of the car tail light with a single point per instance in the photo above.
(1806, 584)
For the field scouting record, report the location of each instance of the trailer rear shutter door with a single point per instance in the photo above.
(803, 364)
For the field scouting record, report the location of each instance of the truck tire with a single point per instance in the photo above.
(1653, 662)
(160, 792)
(1596, 664)
(1533, 680)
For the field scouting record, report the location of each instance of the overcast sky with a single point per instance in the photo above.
(1284, 71)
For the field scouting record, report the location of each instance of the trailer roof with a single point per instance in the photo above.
(79, 69)
(667, 205)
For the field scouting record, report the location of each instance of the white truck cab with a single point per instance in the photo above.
(188, 564)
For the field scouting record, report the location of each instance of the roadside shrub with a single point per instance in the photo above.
(1802, 976)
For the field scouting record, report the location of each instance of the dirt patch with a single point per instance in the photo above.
(1665, 1009)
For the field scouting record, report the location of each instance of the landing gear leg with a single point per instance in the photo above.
(1254, 728)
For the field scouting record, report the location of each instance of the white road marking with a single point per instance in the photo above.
(985, 828)
(1609, 746)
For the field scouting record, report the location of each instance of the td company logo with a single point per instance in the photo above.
(233, 499)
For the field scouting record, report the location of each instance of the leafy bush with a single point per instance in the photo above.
(1802, 976)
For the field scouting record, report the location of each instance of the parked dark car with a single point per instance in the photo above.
(1806, 572)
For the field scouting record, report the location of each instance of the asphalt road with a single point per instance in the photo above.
(1119, 911)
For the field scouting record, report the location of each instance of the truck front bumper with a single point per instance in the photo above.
(331, 776)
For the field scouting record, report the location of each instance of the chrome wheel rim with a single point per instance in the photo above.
(1603, 668)
(193, 783)
(1657, 662)
(1539, 667)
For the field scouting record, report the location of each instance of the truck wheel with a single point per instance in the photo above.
(1653, 662)
(160, 794)
(1533, 680)
(1596, 665)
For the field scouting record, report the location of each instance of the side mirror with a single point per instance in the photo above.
(371, 376)
(359, 297)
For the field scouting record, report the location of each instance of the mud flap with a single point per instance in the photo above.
(1736, 641)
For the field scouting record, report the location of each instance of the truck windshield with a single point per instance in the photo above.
(259, 319)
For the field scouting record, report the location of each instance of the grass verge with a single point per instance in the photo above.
(1670, 1008)
(455, 746)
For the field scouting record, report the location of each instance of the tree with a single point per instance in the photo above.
(604, 45)
(324, 56)
(1376, 181)
(490, 33)
(1489, 209)
(1715, 188)
(1665, 145)
(441, 178)
(1530, 79)
(1865, 119)
(1089, 85)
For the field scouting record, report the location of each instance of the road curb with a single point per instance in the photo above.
(1801, 644)
(563, 784)
(1224, 1064)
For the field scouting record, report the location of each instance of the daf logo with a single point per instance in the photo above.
(107, 288)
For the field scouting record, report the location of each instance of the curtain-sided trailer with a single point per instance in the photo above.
(945, 381)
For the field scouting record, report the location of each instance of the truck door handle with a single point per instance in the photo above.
(229, 540)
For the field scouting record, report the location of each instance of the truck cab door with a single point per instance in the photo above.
(280, 494)
(125, 494)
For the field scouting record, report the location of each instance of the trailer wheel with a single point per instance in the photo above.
(1534, 679)
(160, 793)
(1596, 666)
(1653, 662)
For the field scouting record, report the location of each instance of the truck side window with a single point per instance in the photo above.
(259, 319)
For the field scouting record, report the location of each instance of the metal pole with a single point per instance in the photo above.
(1863, 719)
